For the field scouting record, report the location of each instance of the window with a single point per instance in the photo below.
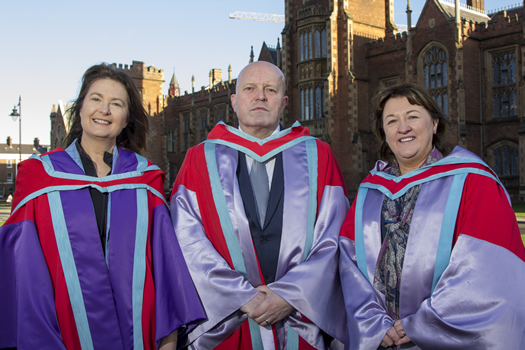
(312, 101)
(173, 174)
(506, 160)
(320, 42)
(312, 45)
(9, 177)
(9, 163)
(435, 71)
(171, 141)
(1, 192)
(504, 84)
(220, 112)
(186, 142)
(203, 118)
(186, 122)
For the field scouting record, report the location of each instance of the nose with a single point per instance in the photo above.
(104, 108)
(403, 127)
(261, 95)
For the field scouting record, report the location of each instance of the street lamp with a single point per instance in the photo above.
(15, 114)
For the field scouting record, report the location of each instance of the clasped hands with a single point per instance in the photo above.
(267, 307)
(395, 335)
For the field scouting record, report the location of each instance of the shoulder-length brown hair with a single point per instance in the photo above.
(415, 95)
(133, 136)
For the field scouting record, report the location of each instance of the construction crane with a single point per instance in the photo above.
(252, 16)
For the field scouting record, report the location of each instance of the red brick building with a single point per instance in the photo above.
(336, 53)
(10, 157)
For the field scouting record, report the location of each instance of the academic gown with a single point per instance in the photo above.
(60, 290)
(464, 272)
(211, 224)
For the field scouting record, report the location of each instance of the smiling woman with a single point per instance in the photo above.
(90, 240)
(423, 235)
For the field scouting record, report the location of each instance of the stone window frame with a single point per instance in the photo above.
(492, 155)
(170, 140)
(309, 95)
(490, 88)
(202, 116)
(186, 130)
(311, 41)
(9, 178)
(436, 91)
(221, 108)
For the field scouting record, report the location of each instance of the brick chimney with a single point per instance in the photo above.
(9, 141)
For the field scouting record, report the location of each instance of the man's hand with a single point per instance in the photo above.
(253, 303)
(271, 310)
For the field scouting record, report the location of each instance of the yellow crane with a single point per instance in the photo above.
(253, 16)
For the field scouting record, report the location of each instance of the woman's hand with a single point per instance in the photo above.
(169, 342)
(395, 335)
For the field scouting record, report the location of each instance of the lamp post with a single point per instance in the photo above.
(18, 114)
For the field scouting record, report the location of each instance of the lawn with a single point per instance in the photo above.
(519, 209)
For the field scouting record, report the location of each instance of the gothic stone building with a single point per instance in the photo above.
(337, 53)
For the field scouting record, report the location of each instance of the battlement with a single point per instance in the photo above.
(316, 10)
(390, 41)
(139, 70)
(500, 20)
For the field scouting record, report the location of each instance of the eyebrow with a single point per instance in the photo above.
(407, 112)
(112, 99)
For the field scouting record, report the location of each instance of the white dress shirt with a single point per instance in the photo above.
(270, 164)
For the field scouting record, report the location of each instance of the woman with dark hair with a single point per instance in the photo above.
(89, 258)
(431, 254)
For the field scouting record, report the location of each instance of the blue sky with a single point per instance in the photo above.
(47, 45)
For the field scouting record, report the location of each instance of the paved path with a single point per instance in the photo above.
(4, 213)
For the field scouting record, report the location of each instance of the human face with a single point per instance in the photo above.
(409, 130)
(259, 99)
(104, 112)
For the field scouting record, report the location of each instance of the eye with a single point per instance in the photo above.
(391, 121)
(118, 104)
(272, 90)
(94, 98)
(413, 117)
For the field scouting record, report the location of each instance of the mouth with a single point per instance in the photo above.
(407, 139)
(259, 109)
(102, 121)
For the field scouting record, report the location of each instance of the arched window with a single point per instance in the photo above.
(506, 160)
(504, 84)
(435, 71)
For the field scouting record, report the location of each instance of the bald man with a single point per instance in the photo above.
(257, 212)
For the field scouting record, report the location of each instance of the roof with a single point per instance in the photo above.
(469, 14)
(13, 150)
(174, 80)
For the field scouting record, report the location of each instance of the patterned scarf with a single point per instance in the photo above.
(397, 215)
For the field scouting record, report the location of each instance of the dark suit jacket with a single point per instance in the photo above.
(266, 239)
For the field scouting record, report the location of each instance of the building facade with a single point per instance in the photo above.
(10, 156)
(337, 53)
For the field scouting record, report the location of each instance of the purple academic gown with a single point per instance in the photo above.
(136, 293)
(470, 296)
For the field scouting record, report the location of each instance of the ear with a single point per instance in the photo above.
(436, 123)
(233, 98)
(285, 102)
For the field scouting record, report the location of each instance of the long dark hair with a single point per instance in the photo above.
(415, 95)
(133, 136)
